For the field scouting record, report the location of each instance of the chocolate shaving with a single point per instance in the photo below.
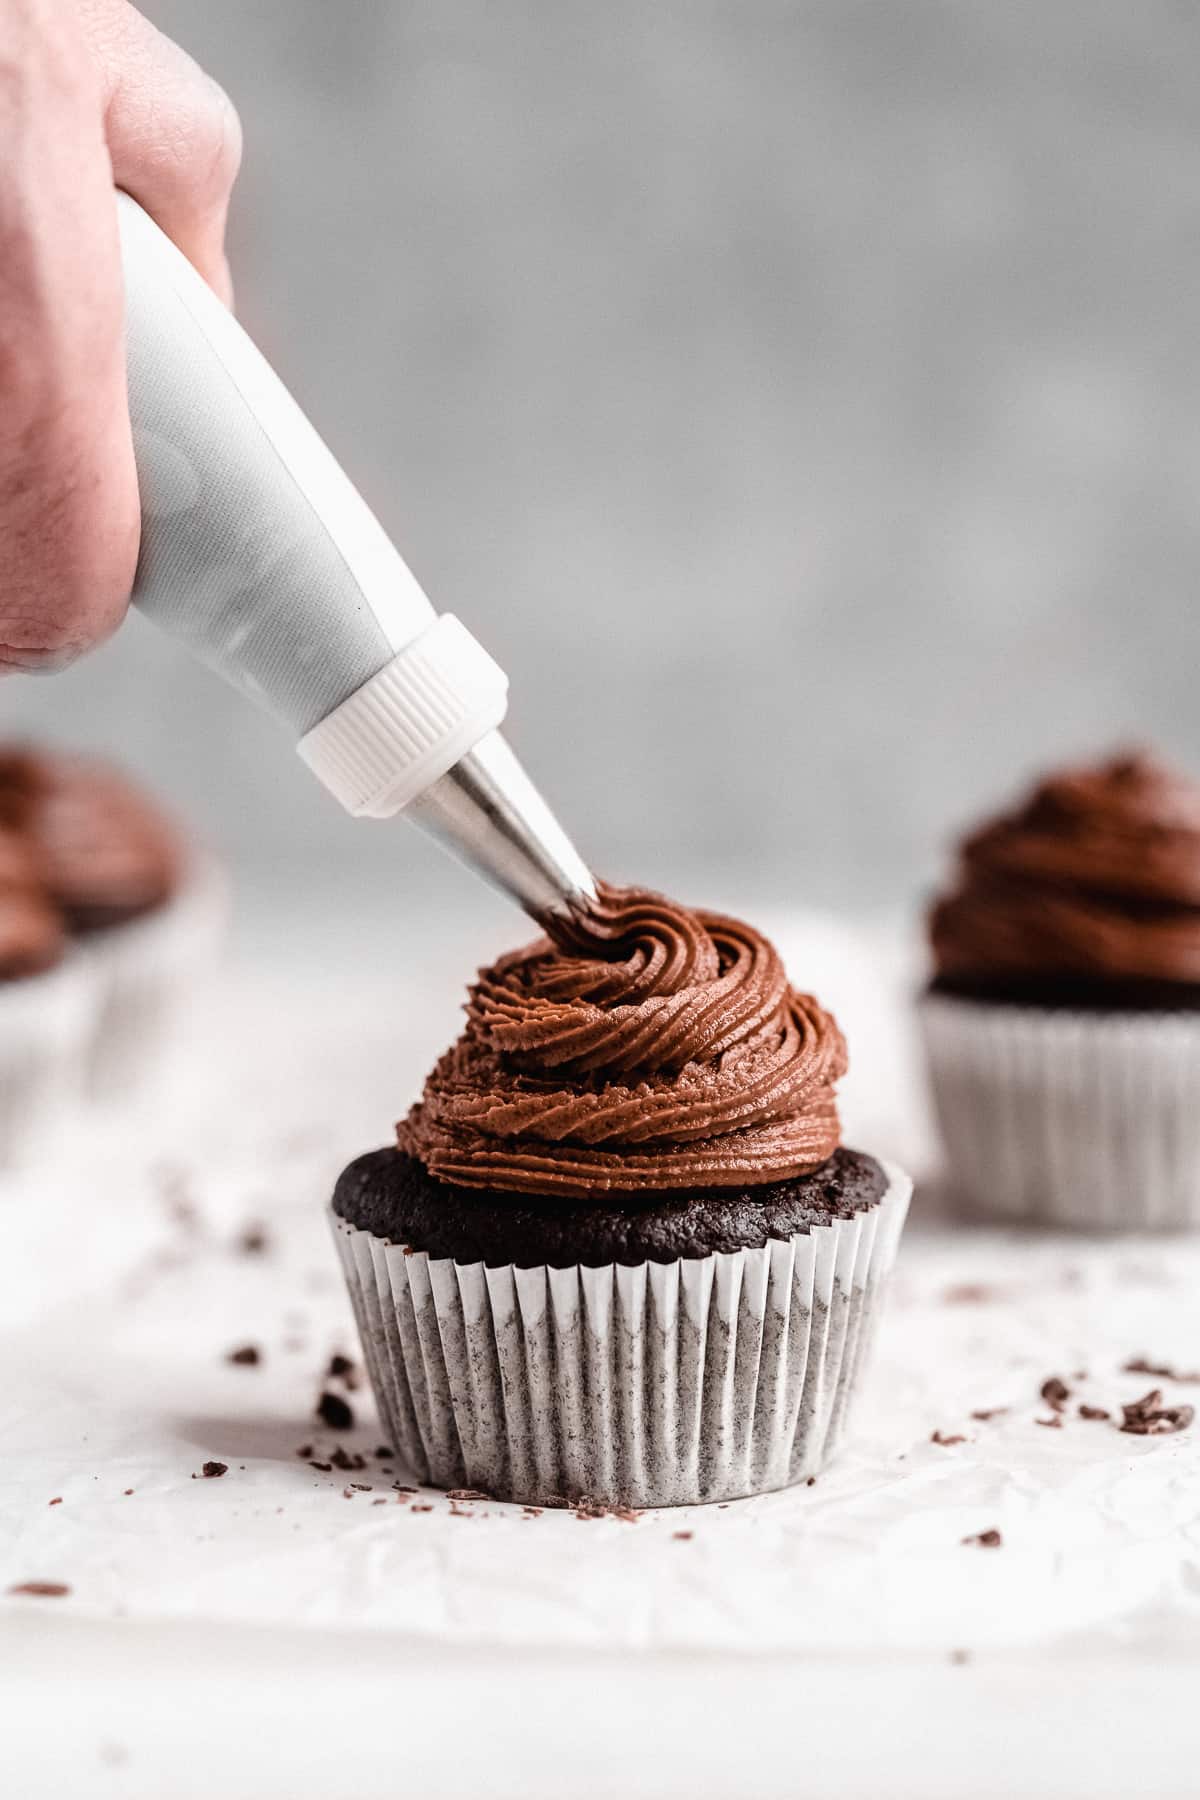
(212, 1469)
(1148, 1417)
(324, 1467)
(423, 1508)
(946, 1438)
(988, 1412)
(1053, 1423)
(335, 1412)
(57, 1501)
(42, 1590)
(384, 1451)
(1141, 1365)
(304, 1452)
(347, 1459)
(343, 1369)
(987, 1540)
(466, 1494)
(1094, 1412)
(683, 1537)
(1055, 1392)
(247, 1356)
(253, 1240)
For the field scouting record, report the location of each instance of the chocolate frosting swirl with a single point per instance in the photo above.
(1096, 875)
(647, 1047)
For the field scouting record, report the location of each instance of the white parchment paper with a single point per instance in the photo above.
(125, 1284)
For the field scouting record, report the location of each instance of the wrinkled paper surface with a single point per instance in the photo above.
(124, 1286)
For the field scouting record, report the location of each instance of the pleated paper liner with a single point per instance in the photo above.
(662, 1384)
(1083, 1119)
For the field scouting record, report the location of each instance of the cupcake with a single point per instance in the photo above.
(45, 1005)
(1062, 1025)
(145, 911)
(617, 1251)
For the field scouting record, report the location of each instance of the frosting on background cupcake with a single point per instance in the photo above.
(106, 853)
(1090, 887)
(31, 932)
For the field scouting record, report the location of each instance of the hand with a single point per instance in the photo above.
(92, 98)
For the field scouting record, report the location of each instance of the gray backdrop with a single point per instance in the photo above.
(799, 400)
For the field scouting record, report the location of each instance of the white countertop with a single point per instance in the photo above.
(275, 1630)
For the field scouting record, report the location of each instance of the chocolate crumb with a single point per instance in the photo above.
(682, 1537)
(57, 1501)
(42, 1590)
(347, 1493)
(1148, 1417)
(946, 1438)
(425, 1508)
(1055, 1392)
(379, 1503)
(558, 1502)
(324, 1467)
(128, 1491)
(1141, 1365)
(466, 1494)
(384, 1451)
(402, 1487)
(988, 1412)
(810, 1481)
(361, 1487)
(1053, 1423)
(304, 1452)
(335, 1412)
(253, 1240)
(213, 1469)
(987, 1540)
(532, 1512)
(246, 1356)
(1094, 1412)
(347, 1459)
(344, 1369)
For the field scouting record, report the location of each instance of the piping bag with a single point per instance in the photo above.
(258, 553)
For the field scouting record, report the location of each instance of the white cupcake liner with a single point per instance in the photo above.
(664, 1384)
(148, 974)
(46, 1023)
(1067, 1118)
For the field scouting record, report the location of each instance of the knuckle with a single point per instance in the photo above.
(214, 152)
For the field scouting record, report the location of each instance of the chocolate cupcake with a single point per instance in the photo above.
(143, 908)
(617, 1250)
(1062, 1025)
(45, 1004)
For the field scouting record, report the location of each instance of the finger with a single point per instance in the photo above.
(68, 487)
(173, 134)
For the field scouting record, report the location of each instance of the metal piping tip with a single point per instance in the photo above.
(487, 813)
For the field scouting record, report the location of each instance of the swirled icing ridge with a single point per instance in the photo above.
(647, 1047)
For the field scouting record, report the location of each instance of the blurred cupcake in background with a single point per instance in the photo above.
(46, 1006)
(145, 910)
(1062, 1024)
